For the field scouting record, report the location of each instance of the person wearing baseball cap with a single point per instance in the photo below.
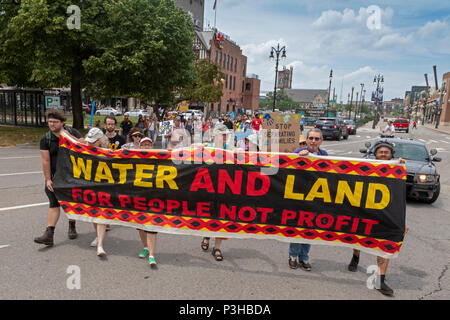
(94, 135)
(146, 143)
(383, 150)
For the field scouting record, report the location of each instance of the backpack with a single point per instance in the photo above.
(48, 135)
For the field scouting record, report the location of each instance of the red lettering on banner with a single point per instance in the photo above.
(139, 203)
(355, 225)
(234, 185)
(186, 211)
(242, 214)
(103, 198)
(307, 217)
(251, 184)
(202, 207)
(341, 221)
(93, 196)
(264, 212)
(369, 225)
(287, 215)
(160, 206)
(172, 204)
(124, 200)
(319, 221)
(202, 181)
(224, 211)
(76, 193)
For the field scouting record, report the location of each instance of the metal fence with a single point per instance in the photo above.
(22, 107)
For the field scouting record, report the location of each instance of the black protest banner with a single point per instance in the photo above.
(217, 193)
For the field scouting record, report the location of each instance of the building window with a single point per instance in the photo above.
(235, 66)
(234, 84)
(226, 81)
(217, 55)
(244, 71)
(248, 86)
(231, 64)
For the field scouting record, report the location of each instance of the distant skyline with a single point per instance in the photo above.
(343, 35)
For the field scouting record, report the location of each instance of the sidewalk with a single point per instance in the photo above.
(441, 129)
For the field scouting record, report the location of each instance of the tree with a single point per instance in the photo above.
(284, 102)
(207, 86)
(136, 48)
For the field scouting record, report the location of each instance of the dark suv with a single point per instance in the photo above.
(332, 127)
(422, 181)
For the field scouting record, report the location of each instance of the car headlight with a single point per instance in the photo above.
(427, 178)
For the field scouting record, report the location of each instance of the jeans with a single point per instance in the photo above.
(300, 250)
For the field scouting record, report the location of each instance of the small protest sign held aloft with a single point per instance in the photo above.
(288, 134)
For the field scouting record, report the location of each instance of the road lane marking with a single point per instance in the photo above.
(10, 158)
(24, 206)
(4, 246)
(19, 173)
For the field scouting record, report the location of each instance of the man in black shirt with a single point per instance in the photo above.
(126, 126)
(116, 141)
(49, 147)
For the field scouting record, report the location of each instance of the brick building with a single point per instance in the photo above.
(445, 116)
(220, 49)
(196, 9)
(285, 78)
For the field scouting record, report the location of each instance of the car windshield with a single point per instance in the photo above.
(409, 151)
(325, 120)
(349, 122)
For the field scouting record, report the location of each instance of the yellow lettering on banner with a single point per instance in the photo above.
(161, 177)
(289, 189)
(140, 174)
(103, 173)
(314, 193)
(354, 198)
(122, 171)
(79, 166)
(385, 196)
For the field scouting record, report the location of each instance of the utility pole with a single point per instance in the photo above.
(377, 80)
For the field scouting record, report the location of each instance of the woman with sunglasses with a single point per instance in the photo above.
(134, 139)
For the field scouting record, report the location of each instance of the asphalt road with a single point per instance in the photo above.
(252, 269)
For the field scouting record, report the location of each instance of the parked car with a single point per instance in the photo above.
(351, 126)
(423, 181)
(332, 127)
(108, 111)
(401, 125)
(136, 113)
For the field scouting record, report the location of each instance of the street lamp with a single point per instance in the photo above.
(377, 80)
(277, 51)
(362, 90)
(351, 104)
(329, 90)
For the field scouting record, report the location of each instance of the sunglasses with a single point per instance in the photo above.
(137, 136)
(314, 139)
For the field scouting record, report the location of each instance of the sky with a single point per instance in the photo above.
(401, 40)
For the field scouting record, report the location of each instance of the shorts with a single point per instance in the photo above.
(52, 198)
(151, 232)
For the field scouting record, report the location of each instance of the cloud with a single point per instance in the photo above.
(390, 41)
(433, 29)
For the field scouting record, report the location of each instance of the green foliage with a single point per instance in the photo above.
(135, 48)
(284, 102)
(207, 84)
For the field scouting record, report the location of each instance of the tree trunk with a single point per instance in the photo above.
(77, 110)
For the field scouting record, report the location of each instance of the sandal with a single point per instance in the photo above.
(205, 244)
(218, 257)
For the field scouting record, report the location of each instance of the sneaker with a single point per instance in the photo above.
(385, 289)
(293, 262)
(305, 266)
(143, 254)
(101, 252)
(95, 242)
(353, 266)
(152, 261)
(72, 233)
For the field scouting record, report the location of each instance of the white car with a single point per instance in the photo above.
(136, 113)
(107, 112)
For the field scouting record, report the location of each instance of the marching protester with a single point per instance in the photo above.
(125, 126)
(141, 124)
(176, 136)
(96, 138)
(134, 138)
(299, 252)
(302, 142)
(221, 138)
(148, 238)
(383, 150)
(152, 128)
(116, 141)
(49, 146)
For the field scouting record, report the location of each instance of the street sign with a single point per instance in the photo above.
(52, 103)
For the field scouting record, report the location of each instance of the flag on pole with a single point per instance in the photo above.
(215, 3)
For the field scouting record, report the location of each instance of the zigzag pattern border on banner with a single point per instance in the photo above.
(198, 224)
(207, 155)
